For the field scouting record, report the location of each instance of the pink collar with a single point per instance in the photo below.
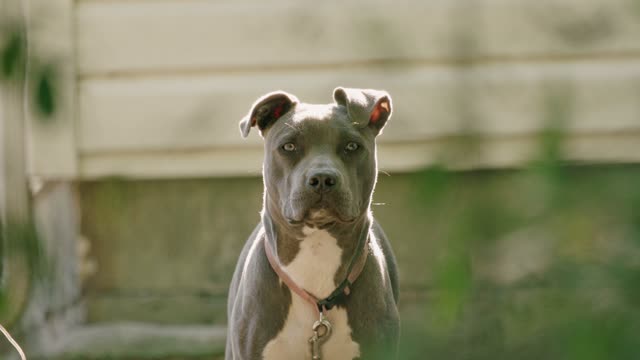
(321, 305)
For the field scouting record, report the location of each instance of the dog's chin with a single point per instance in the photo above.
(319, 215)
(321, 218)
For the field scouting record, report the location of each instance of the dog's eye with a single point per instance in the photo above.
(351, 146)
(289, 147)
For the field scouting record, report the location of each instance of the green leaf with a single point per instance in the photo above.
(45, 99)
(12, 55)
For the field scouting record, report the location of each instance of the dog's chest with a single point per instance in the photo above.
(313, 269)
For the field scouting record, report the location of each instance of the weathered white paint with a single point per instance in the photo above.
(195, 112)
(124, 37)
(313, 269)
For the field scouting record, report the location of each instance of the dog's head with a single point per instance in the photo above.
(320, 162)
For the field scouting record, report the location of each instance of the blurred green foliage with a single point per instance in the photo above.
(13, 54)
(44, 93)
(536, 263)
(23, 263)
(15, 65)
(19, 241)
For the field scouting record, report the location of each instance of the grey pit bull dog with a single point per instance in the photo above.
(317, 278)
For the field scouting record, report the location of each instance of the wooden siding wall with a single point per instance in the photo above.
(160, 85)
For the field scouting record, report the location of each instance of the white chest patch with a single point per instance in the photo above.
(313, 269)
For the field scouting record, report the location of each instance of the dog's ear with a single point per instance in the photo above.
(266, 110)
(365, 106)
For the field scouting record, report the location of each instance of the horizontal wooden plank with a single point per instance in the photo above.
(194, 35)
(238, 162)
(494, 152)
(157, 308)
(131, 340)
(202, 112)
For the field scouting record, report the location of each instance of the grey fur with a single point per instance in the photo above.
(258, 303)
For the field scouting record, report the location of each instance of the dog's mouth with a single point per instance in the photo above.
(320, 217)
(320, 211)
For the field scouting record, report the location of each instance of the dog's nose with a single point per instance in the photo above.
(322, 182)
